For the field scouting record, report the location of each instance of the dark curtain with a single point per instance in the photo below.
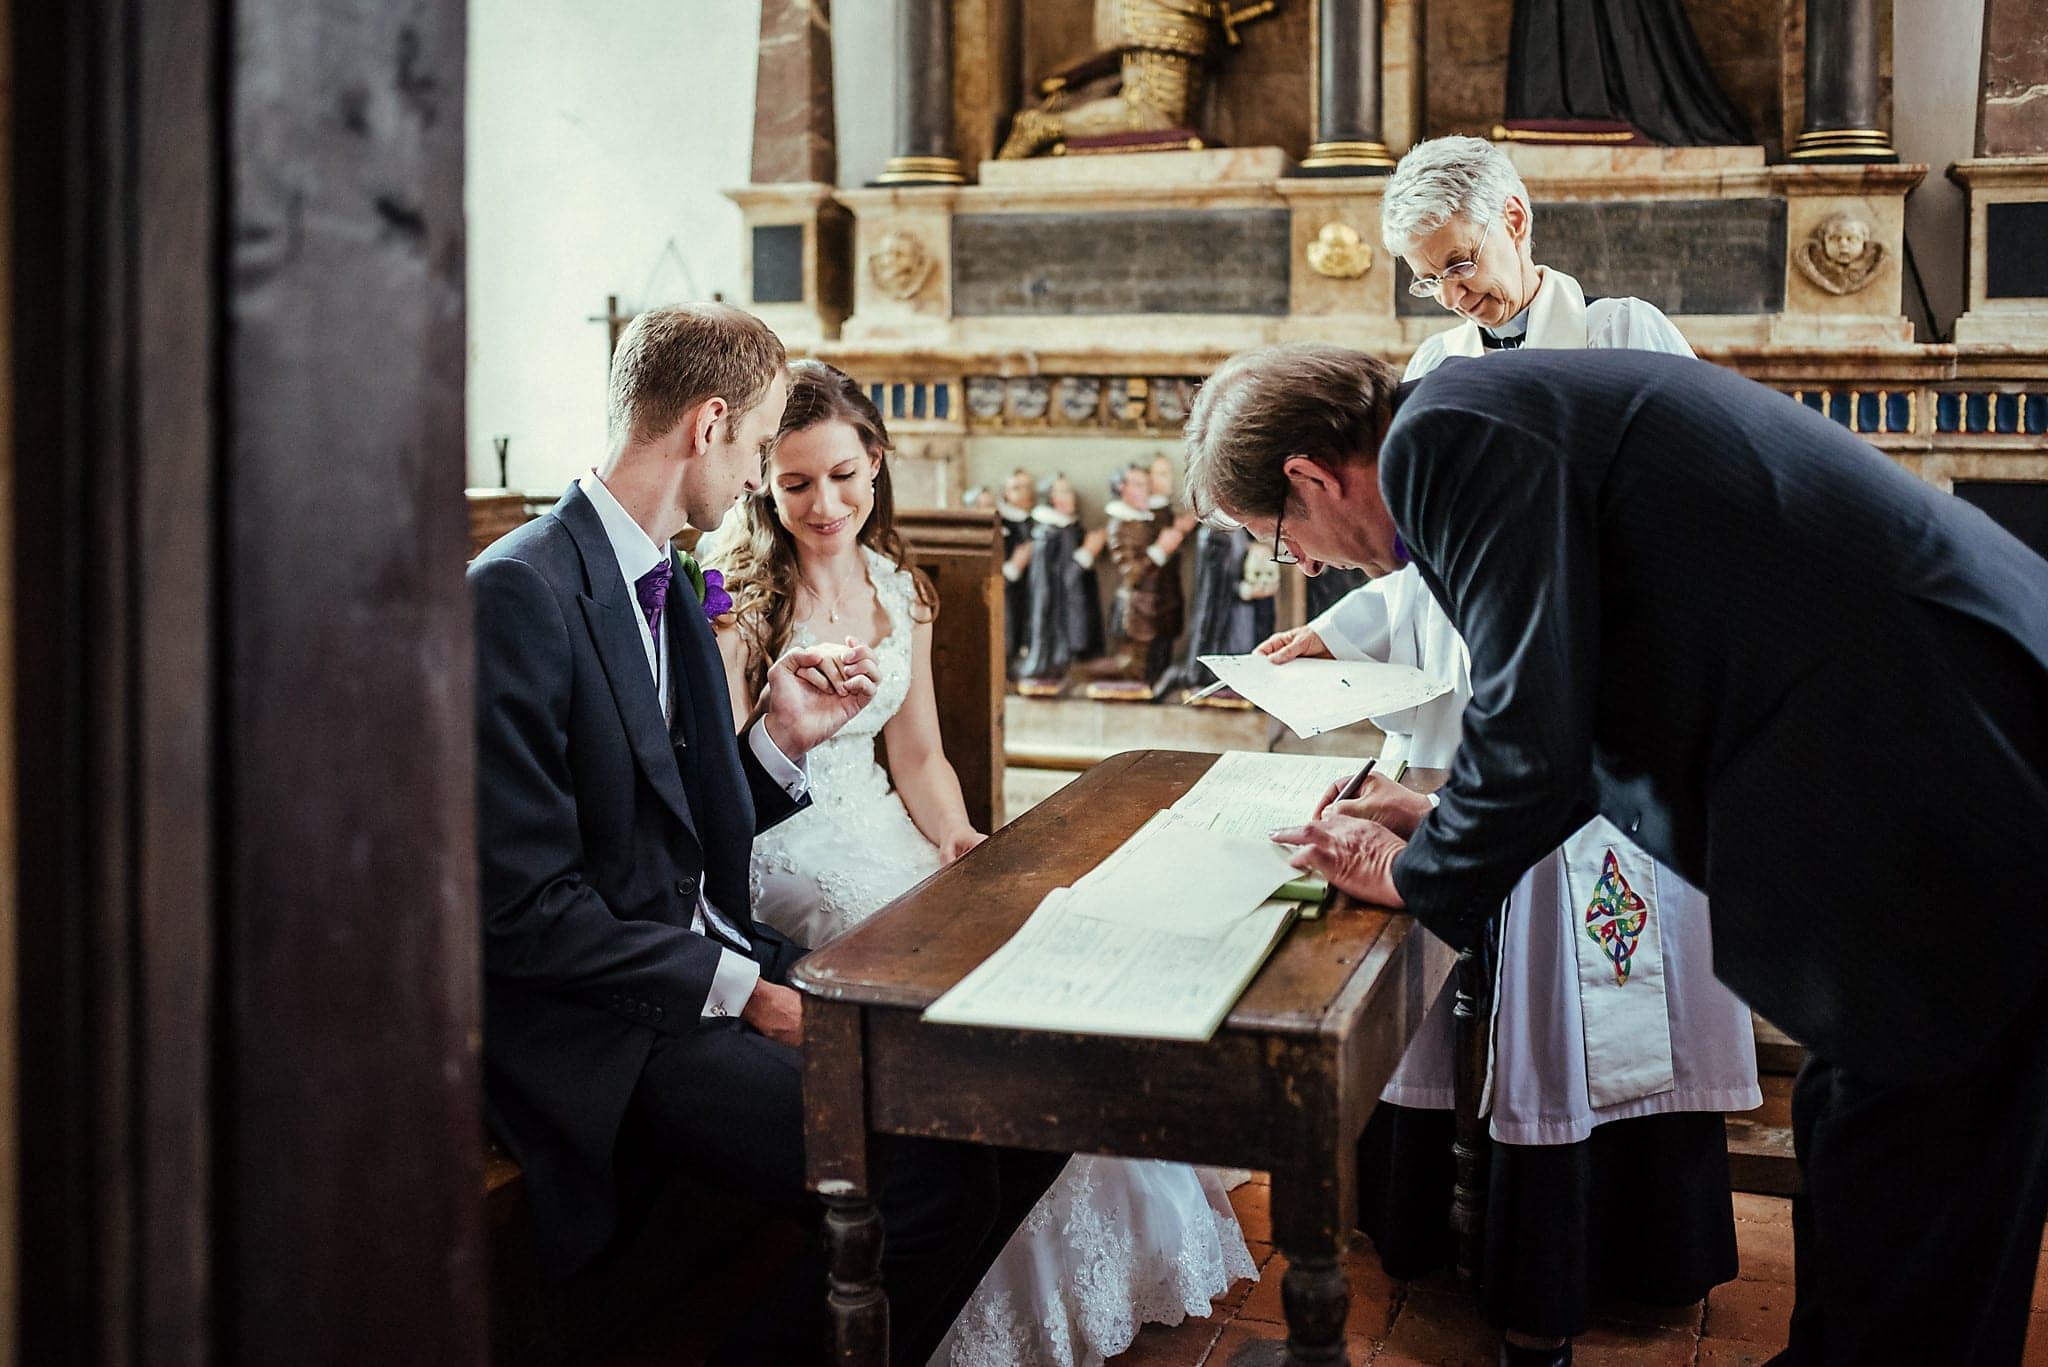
(1634, 61)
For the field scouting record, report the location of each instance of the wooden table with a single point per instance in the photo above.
(1285, 1085)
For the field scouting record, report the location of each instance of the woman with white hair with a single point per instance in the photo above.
(1615, 1050)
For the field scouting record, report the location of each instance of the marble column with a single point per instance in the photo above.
(1348, 138)
(1842, 93)
(924, 97)
(793, 129)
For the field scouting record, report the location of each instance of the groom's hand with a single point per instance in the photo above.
(777, 1012)
(815, 690)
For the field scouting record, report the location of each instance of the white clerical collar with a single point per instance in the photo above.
(1126, 513)
(1012, 513)
(1160, 501)
(635, 550)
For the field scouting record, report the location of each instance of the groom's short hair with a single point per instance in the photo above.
(669, 360)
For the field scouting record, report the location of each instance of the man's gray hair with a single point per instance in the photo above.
(1442, 179)
(1261, 407)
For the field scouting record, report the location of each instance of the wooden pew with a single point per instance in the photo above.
(494, 512)
(962, 551)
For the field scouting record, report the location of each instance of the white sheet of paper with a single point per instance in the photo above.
(1251, 792)
(1178, 875)
(1314, 696)
(1067, 971)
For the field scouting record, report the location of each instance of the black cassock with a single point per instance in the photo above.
(1064, 618)
(1634, 61)
(1220, 622)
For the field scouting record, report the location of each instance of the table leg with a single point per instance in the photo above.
(853, 1258)
(1316, 1297)
(836, 1153)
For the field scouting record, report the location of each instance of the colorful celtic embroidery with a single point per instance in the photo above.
(1615, 918)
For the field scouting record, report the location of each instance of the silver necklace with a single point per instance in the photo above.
(832, 609)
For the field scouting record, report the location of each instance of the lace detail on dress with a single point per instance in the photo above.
(1115, 1244)
(856, 849)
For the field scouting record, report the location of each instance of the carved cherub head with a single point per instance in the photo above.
(1843, 238)
(899, 264)
(1839, 256)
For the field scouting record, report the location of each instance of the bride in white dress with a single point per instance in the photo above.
(1115, 1243)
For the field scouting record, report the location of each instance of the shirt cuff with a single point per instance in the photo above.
(1158, 556)
(791, 777)
(1085, 558)
(1012, 571)
(731, 985)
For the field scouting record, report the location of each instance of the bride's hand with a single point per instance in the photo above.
(815, 690)
(959, 843)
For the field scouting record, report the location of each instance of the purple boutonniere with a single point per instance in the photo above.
(717, 602)
(709, 586)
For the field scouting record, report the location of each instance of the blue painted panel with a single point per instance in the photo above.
(1866, 411)
(896, 400)
(2006, 414)
(1948, 412)
(1838, 407)
(1811, 398)
(942, 401)
(1976, 412)
(878, 395)
(2037, 413)
(917, 393)
(1898, 412)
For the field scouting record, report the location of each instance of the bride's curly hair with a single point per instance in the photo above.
(759, 556)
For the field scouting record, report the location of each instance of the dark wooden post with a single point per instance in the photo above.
(924, 97)
(249, 957)
(1842, 97)
(1348, 138)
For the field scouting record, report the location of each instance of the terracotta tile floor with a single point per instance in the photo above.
(1401, 1324)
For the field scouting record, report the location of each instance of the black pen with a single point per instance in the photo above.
(1351, 787)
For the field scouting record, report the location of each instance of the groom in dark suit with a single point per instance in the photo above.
(1810, 683)
(637, 1019)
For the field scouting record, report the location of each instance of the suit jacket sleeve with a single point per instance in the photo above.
(1504, 533)
(545, 927)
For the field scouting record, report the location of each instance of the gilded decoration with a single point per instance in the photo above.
(1152, 52)
(1339, 252)
(1840, 256)
(900, 265)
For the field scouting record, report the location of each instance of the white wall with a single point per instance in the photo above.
(600, 132)
(1935, 55)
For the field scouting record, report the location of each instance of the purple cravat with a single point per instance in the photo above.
(651, 589)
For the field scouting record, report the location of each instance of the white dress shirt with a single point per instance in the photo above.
(737, 972)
